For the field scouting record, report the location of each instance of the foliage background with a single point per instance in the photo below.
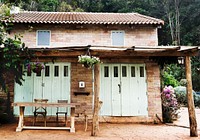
(189, 21)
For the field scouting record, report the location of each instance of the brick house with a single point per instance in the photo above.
(129, 83)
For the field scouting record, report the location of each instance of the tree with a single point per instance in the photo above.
(13, 54)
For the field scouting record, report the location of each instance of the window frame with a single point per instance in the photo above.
(37, 32)
(112, 37)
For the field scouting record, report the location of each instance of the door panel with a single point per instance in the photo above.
(134, 95)
(52, 84)
(116, 91)
(47, 85)
(143, 91)
(106, 92)
(24, 94)
(127, 95)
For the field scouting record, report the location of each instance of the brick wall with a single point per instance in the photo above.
(154, 98)
(79, 73)
(73, 35)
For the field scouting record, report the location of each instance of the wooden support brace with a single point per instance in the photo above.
(95, 121)
(191, 108)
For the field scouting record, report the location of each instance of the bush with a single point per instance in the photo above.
(181, 95)
(183, 82)
(169, 80)
(169, 105)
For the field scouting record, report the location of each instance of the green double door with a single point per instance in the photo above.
(53, 83)
(123, 90)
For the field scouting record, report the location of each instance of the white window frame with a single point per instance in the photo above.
(37, 38)
(112, 36)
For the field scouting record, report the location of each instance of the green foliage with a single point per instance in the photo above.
(177, 71)
(183, 82)
(169, 80)
(13, 54)
(181, 95)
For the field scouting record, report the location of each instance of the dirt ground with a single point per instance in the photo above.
(109, 131)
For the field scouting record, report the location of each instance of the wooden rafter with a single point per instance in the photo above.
(108, 51)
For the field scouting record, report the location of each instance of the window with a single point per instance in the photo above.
(115, 71)
(118, 38)
(65, 71)
(106, 71)
(43, 38)
(56, 71)
(141, 71)
(46, 71)
(124, 71)
(132, 71)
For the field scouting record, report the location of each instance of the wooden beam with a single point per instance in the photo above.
(95, 121)
(69, 53)
(191, 108)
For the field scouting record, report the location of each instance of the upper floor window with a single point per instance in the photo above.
(43, 38)
(117, 38)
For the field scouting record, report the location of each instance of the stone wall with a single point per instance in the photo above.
(74, 35)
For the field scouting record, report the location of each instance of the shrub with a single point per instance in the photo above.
(169, 80)
(181, 95)
(183, 82)
(169, 104)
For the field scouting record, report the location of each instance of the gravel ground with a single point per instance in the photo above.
(109, 131)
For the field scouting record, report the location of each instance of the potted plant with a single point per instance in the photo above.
(35, 67)
(88, 61)
(170, 105)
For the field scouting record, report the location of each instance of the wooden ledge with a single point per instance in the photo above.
(81, 93)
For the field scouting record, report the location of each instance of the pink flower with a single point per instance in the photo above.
(167, 96)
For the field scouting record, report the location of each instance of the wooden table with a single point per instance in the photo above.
(22, 106)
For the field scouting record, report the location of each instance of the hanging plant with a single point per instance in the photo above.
(35, 67)
(88, 61)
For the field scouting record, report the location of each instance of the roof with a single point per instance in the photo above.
(85, 18)
(128, 51)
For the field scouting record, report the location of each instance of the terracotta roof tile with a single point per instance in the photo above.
(84, 18)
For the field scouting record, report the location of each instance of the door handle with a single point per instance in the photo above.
(119, 85)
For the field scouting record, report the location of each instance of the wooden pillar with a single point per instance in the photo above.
(72, 126)
(191, 108)
(95, 121)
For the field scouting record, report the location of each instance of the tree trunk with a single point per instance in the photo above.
(95, 121)
(177, 35)
(191, 108)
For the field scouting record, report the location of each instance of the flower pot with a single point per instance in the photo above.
(86, 65)
(37, 70)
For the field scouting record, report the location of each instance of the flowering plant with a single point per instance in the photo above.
(88, 61)
(35, 67)
(169, 104)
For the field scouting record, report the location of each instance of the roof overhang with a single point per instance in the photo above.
(110, 51)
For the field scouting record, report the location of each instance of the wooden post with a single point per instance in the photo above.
(21, 119)
(191, 108)
(72, 128)
(95, 120)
